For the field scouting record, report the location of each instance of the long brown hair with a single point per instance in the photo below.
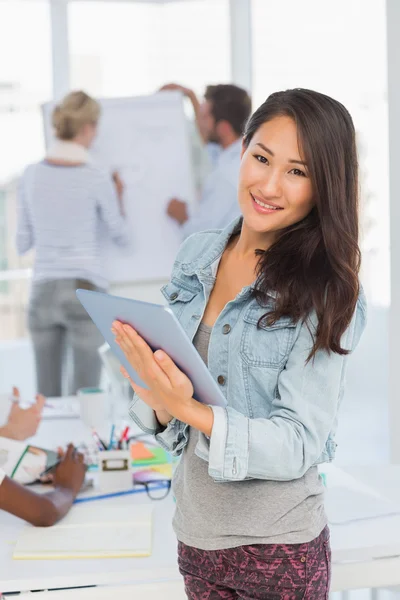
(314, 264)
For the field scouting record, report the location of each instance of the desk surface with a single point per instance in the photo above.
(167, 590)
(361, 540)
(33, 574)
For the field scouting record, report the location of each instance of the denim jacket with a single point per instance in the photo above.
(281, 414)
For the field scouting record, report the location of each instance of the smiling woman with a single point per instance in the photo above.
(277, 310)
(313, 238)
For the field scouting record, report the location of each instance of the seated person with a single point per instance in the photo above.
(39, 509)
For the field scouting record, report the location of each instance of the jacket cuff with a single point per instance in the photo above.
(174, 437)
(143, 416)
(229, 444)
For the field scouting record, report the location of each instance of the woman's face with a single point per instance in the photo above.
(275, 189)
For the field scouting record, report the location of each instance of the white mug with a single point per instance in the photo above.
(95, 409)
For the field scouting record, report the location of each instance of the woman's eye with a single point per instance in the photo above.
(298, 172)
(260, 158)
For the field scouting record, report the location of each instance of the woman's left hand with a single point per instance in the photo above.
(169, 388)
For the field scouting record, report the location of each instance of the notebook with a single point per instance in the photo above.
(90, 531)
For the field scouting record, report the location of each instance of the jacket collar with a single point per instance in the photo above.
(205, 266)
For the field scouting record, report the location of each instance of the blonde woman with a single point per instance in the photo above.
(64, 204)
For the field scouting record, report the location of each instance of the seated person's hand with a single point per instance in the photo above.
(177, 210)
(70, 472)
(23, 423)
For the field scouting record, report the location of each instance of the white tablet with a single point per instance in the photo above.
(161, 329)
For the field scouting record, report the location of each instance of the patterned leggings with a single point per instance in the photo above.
(260, 572)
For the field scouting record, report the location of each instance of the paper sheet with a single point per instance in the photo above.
(97, 530)
(347, 499)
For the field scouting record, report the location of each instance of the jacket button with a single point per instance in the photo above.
(221, 379)
(173, 296)
(226, 329)
(303, 559)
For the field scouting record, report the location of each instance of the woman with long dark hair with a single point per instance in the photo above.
(273, 305)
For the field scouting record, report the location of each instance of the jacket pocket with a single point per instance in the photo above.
(177, 296)
(266, 346)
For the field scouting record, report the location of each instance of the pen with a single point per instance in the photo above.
(123, 436)
(100, 444)
(111, 437)
(16, 399)
(46, 404)
(160, 486)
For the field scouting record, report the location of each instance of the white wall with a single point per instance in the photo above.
(363, 433)
(148, 292)
(393, 60)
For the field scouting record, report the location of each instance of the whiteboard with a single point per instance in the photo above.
(146, 140)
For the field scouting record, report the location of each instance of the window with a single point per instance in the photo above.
(340, 52)
(25, 83)
(123, 49)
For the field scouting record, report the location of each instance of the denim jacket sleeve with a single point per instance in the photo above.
(285, 445)
(173, 437)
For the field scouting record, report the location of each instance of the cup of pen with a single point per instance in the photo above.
(114, 463)
(114, 470)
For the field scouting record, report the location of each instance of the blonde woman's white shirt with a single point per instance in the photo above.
(66, 213)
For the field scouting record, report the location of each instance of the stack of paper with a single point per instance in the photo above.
(97, 530)
(152, 463)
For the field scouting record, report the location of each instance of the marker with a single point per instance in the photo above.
(111, 437)
(123, 437)
(100, 444)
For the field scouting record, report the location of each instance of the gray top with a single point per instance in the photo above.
(214, 516)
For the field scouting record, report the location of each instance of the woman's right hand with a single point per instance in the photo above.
(120, 187)
(148, 398)
(70, 472)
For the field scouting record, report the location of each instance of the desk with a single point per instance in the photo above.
(365, 553)
(168, 590)
(22, 575)
(25, 575)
